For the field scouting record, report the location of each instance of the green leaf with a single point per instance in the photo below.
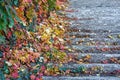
(2, 39)
(51, 5)
(1, 54)
(7, 71)
(15, 2)
(2, 77)
(11, 23)
(13, 10)
(19, 78)
(63, 69)
(35, 71)
(7, 9)
(2, 24)
(81, 68)
(2, 11)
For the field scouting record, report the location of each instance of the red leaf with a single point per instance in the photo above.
(9, 34)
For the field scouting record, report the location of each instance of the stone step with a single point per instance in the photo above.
(80, 40)
(94, 69)
(93, 13)
(107, 27)
(106, 67)
(89, 43)
(98, 24)
(80, 78)
(94, 53)
(91, 32)
(93, 35)
(94, 43)
(94, 3)
(92, 49)
(77, 27)
(75, 30)
(94, 58)
(94, 46)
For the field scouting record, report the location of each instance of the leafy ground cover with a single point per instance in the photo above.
(31, 38)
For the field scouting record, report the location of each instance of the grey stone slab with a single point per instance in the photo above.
(81, 78)
(94, 3)
(96, 57)
(106, 67)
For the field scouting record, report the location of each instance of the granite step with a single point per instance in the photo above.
(80, 78)
(94, 69)
(94, 49)
(94, 46)
(90, 58)
(109, 39)
(94, 3)
(74, 30)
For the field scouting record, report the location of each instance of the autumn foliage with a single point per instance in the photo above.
(31, 38)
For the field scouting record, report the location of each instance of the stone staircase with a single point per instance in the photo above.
(95, 41)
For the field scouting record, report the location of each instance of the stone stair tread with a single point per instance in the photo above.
(90, 65)
(94, 46)
(94, 41)
(91, 39)
(106, 67)
(88, 14)
(104, 26)
(94, 3)
(94, 36)
(94, 51)
(95, 58)
(80, 78)
(90, 31)
(96, 54)
(103, 53)
(87, 33)
(104, 35)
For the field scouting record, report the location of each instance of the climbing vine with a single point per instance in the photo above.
(31, 38)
